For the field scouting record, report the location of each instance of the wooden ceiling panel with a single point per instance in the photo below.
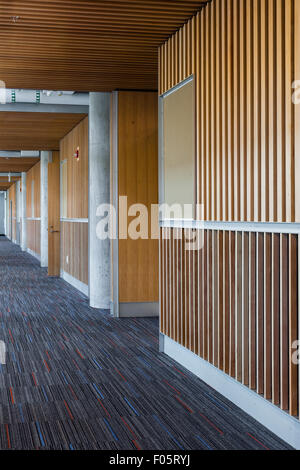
(5, 184)
(86, 45)
(16, 165)
(35, 131)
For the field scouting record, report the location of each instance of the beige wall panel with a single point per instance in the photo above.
(179, 146)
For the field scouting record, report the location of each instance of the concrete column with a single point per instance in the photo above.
(23, 213)
(18, 213)
(99, 193)
(2, 213)
(7, 215)
(45, 156)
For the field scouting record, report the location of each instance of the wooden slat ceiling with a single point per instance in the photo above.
(86, 45)
(5, 184)
(35, 131)
(16, 165)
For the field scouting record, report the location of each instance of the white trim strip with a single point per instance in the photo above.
(178, 86)
(261, 227)
(33, 218)
(84, 288)
(269, 415)
(83, 221)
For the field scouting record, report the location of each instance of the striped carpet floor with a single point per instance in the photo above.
(75, 378)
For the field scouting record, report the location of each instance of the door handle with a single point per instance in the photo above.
(54, 231)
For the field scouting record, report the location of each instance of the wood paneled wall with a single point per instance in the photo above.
(34, 174)
(74, 235)
(74, 250)
(33, 228)
(234, 302)
(13, 199)
(244, 55)
(12, 224)
(77, 170)
(138, 180)
(297, 107)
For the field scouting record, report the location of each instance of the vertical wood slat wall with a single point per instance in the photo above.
(234, 302)
(244, 55)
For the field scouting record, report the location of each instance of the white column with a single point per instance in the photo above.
(45, 156)
(23, 213)
(99, 193)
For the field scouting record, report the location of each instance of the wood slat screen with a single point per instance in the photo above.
(245, 56)
(234, 303)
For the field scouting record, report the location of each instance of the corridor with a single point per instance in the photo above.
(77, 378)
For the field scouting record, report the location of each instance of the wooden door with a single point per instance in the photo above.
(54, 215)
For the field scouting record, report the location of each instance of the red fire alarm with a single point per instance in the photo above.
(76, 154)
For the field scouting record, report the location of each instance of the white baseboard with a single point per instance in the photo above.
(269, 415)
(84, 288)
(33, 253)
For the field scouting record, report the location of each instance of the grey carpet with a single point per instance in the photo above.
(76, 378)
